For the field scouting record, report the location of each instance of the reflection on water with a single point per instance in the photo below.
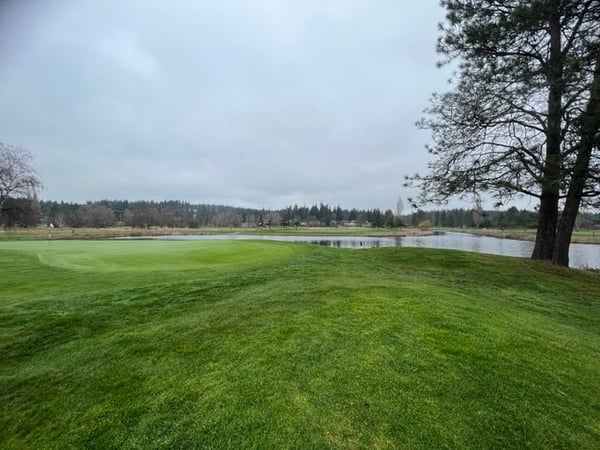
(472, 243)
(581, 255)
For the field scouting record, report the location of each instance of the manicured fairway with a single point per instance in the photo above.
(255, 344)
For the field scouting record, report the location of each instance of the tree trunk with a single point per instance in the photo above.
(590, 126)
(545, 237)
(560, 254)
(548, 214)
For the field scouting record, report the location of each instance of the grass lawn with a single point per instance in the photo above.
(255, 344)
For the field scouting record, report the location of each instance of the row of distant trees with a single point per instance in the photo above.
(174, 214)
(512, 218)
(472, 218)
(177, 214)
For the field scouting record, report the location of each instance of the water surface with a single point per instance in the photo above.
(581, 255)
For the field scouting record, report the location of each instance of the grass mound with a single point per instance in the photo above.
(248, 344)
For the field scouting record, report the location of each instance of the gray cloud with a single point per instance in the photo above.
(254, 103)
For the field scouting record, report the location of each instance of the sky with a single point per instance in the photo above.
(251, 103)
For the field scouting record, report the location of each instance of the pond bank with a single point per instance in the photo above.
(42, 233)
(579, 237)
(67, 233)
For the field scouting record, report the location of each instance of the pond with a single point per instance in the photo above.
(581, 255)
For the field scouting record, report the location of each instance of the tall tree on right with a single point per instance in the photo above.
(523, 117)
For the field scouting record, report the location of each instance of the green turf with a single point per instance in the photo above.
(254, 344)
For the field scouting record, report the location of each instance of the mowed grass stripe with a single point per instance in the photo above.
(277, 345)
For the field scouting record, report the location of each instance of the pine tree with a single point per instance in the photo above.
(522, 117)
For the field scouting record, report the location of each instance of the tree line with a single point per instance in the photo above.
(178, 214)
(471, 218)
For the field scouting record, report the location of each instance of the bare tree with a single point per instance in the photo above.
(142, 215)
(273, 218)
(97, 215)
(477, 211)
(60, 219)
(227, 219)
(399, 207)
(18, 178)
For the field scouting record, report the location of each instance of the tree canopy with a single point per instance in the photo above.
(523, 115)
(18, 178)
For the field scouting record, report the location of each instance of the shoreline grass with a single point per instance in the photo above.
(67, 233)
(254, 344)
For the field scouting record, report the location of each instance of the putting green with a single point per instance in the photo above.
(150, 255)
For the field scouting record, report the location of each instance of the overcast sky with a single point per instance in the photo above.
(257, 103)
